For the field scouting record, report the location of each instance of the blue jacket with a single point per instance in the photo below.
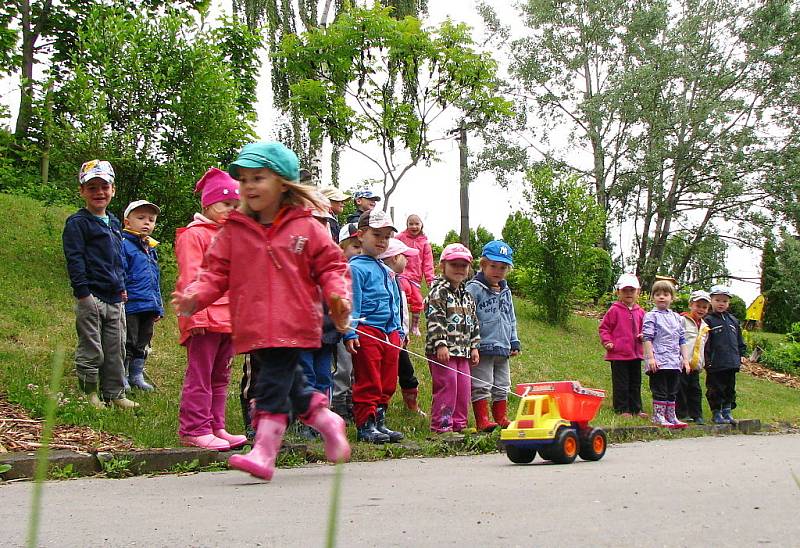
(93, 251)
(375, 295)
(725, 345)
(496, 317)
(142, 276)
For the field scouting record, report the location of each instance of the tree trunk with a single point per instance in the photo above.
(464, 183)
(26, 72)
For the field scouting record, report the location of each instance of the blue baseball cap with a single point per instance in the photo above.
(366, 193)
(270, 154)
(498, 250)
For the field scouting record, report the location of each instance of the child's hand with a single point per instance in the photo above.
(652, 366)
(743, 360)
(442, 354)
(184, 304)
(157, 319)
(352, 345)
(340, 313)
(415, 331)
(640, 336)
(124, 295)
(515, 353)
(608, 345)
(474, 356)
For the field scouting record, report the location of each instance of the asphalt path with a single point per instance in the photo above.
(711, 491)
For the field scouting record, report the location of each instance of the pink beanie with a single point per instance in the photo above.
(217, 186)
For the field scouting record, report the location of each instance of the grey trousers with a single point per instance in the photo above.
(343, 374)
(491, 370)
(100, 354)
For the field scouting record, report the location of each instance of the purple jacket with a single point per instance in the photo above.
(664, 328)
(622, 325)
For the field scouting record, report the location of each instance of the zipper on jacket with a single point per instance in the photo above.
(272, 256)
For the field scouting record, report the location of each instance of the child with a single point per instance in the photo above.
(452, 340)
(666, 353)
(621, 335)
(498, 330)
(724, 354)
(269, 250)
(337, 199)
(207, 333)
(376, 306)
(365, 201)
(419, 267)
(92, 242)
(689, 403)
(144, 306)
(396, 257)
(342, 399)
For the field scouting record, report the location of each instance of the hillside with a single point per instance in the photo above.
(36, 318)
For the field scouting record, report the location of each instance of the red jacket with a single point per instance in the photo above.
(414, 298)
(421, 265)
(191, 243)
(274, 274)
(622, 326)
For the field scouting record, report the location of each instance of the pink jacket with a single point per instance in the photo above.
(274, 275)
(191, 243)
(622, 326)
(422, 264)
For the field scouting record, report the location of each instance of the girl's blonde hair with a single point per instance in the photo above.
(296, 194)
(663, 286)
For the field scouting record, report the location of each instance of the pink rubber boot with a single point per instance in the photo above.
(206, 441)
(330, 425)
(671, 417)
(235, 441)
(260, 461)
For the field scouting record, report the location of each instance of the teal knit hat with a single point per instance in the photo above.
(271, 154)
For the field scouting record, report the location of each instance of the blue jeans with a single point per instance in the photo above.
(317, 367)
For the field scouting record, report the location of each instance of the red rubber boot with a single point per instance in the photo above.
(330, 425)
(500, 413)
(481, 410)
(260, 461)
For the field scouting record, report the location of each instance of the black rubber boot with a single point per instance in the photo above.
(380, 425)
(370, 434)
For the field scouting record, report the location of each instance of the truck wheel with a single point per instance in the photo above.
(593, 444)
(545, 452)
(566, 447)
(520, 455)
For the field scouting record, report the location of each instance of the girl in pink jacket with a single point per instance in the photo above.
(274, 258)
(420, 266)
(621, 335)
(207, 333)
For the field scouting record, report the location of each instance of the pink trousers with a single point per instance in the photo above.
(205, 386)
(451, 395)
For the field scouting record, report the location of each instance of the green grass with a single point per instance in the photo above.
(36, 316)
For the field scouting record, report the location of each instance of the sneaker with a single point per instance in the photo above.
(124, 403)
(718, 418)
(698, 420)
(626, 415)
(643, 415)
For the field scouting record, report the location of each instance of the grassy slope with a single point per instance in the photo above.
(36, 317)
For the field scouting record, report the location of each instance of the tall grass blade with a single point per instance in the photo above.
(333, 513)
(44, 450)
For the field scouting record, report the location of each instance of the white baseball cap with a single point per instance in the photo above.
(628, 280)
(720, 290)
(141, 203)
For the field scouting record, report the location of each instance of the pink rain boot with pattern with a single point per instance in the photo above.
(659, 418)
(260, 461)
(671, 417)
(330, 425)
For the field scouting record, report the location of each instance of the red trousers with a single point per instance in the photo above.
(374, 372)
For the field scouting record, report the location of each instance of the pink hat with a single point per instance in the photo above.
(454, 252)
(217, 186)
(397, 247)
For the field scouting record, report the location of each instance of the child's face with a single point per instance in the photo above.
(720, 303)
(219, 211)
(662, 299)
(366, 204)
(351, 247)
(628, 295)
(142, 220)
(261, 188)
(97, 194)
(337, 207)
(414, 225)
(374, 241)
(699, 308)
(455, 271)
(494, 271)
(397, 263)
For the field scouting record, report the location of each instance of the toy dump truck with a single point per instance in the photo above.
(553, 420)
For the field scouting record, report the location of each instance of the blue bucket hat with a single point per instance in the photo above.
(498, 250)
(272, 155)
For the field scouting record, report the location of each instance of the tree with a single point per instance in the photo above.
(372, 79)
(478, 238)
(565, 222)
(161, 99)
(783, 279)
(707, 264)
